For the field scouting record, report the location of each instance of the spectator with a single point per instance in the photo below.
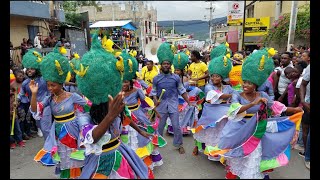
(30, 44)
(50, 41)
(305, 100)
(24, 46)
(17, 135)
(37, 41)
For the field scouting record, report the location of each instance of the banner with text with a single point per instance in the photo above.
(256, 26)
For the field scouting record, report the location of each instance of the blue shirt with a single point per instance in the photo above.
(173, 86)
(42, 91)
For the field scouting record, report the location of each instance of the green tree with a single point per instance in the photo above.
(280, 28)
(70, 8)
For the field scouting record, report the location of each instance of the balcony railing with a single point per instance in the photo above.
(37, 9)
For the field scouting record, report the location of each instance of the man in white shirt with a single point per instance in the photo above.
(37, 41)
(282, 82)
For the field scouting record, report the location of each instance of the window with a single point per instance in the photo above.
(250, 12)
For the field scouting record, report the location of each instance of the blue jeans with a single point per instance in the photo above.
(17, 134)
(307, 150)
(300, 140)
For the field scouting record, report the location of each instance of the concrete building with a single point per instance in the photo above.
(260, 9)
(27, 18)
(255, 9)
(142, 15)
(219, 34)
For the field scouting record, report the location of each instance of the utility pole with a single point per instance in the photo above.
(210, 22)
(293, 22)
(172, 27)
(112, 11)
(277, 10)
(243, 26)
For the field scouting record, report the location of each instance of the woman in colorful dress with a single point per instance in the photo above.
(99, 79)
(188, 115)
(139, 104)
(251, 142)
(61, 147)
(218, 98)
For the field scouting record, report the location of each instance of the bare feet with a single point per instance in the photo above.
(195, 151)
(181, 150)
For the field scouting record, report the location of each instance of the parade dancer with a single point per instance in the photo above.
(139, 104)
(107, 157)
(188, 115)
(256, 139)
(172, 85)
(31, 60)
(218, 98)
(61, 148)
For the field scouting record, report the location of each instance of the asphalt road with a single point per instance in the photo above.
(175, 166)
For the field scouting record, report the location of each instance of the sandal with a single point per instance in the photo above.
(181, 150)
(195, 151)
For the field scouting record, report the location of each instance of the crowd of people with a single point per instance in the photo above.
(103, 115)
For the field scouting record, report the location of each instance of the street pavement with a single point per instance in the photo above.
(175, 165)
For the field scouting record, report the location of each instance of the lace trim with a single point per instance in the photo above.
(87, 141)
(247, 167)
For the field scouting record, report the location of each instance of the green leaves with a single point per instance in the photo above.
(280, 28)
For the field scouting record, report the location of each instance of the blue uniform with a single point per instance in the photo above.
(169, 102)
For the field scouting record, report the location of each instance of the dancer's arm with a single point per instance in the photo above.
(116, 106)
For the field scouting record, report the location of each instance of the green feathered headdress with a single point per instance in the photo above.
(98, 76)
(258, 66)
(221, 50)
(130, 66)
(220, 65)
(74, 63)
(165, 53)
(180, 61)
(32, 59)
(55, 66)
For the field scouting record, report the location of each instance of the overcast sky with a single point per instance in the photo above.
(185, 10)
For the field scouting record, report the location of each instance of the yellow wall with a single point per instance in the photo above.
(267, 8)
(19, 29)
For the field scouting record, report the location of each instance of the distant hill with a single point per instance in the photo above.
(200, 29)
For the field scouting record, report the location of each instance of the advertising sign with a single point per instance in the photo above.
(256, 26)
(235, 13)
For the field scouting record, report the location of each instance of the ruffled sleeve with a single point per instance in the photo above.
(234, 109)
(213, 97)
(277, 108)
(40, 107)
(87, 140)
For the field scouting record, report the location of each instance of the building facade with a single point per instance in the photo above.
(142, 15)
(27, 18)
(267, 9)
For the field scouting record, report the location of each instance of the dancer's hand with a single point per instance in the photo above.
(33, 86)
(116, 105)
(145, 134)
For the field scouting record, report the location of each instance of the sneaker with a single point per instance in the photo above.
(12, 145)
(301, 154)
(298, 147)
(21, 144)
(307, 163)
(40, 133)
